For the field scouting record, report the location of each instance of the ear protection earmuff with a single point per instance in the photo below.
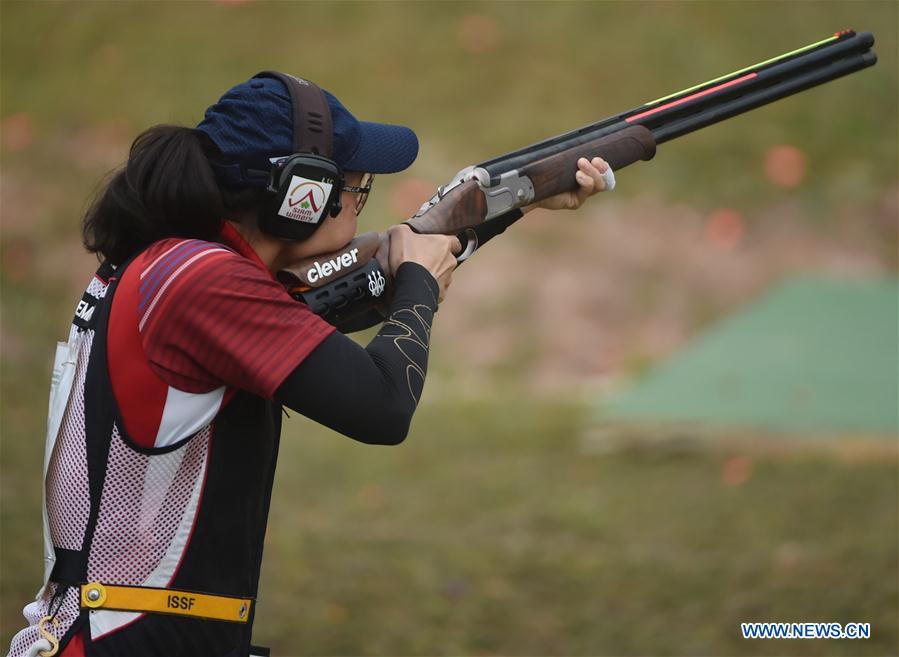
(304, 188)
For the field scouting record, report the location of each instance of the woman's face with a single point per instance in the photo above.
(334, 232)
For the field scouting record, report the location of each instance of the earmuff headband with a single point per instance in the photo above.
(306, 185)
(311, 115)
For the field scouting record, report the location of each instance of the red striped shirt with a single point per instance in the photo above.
(197, 316)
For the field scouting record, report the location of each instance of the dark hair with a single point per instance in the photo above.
(166, 189)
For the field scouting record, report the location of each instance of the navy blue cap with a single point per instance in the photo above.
(253, 124)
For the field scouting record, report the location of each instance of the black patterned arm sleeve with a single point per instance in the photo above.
(370, 394)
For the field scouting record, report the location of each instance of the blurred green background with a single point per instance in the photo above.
(513, 520)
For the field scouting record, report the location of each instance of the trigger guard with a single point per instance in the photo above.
(471, 245)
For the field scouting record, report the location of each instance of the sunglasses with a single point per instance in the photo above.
(363, 190)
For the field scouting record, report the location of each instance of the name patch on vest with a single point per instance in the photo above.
(84, 312)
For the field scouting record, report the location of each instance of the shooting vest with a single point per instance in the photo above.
(188, 518)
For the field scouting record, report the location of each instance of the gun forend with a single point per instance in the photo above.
(555, 174)
(474, 196)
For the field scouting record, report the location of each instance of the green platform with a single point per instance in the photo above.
(812, 355)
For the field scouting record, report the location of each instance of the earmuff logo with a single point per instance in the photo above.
(306, 199)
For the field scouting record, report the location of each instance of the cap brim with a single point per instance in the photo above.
(383, 148)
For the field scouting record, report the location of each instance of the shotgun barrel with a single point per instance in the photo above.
(814, 64)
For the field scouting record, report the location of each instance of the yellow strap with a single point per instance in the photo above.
(165, 601)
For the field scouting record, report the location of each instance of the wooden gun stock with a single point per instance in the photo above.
(318, 271)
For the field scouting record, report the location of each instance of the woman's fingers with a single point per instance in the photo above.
(592, 176)
(606, 173)
(448, 266)
(443, 283)
(584, 177)
(436, 253)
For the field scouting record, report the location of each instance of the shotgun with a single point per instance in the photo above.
(351, 287)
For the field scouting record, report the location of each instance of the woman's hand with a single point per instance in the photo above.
(433, 252)
(590, 180)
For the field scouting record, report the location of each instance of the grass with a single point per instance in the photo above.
(492, 531)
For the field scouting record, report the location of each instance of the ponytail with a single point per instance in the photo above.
(166, 189)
